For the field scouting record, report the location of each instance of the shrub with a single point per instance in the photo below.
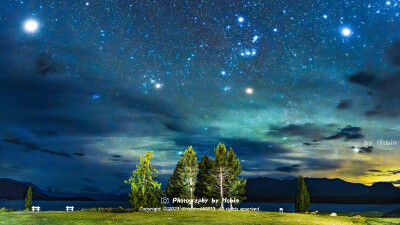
(6, 210)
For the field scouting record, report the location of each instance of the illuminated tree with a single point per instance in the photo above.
(28, 199)
(145, 191)
(302, 203)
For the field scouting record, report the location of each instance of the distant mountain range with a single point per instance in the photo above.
(15, 190)
(322, 190)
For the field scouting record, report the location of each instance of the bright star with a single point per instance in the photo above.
(249, 91)
(275, 29)
(388, 3)
(240, 19)
(158, 85)
(223, 72)
(346, 32)
(31, 26)
(325, 16)
(255, 38)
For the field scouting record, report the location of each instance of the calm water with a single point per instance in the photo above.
(270, 207)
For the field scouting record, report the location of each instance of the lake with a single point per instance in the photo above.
(269, 207)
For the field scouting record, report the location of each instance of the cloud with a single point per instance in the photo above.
(312, 164)
(395, 182)
(348, 132)
(45, 64)
(312, 144)
(384, 92)
(44, 133)
(306, 130)
(393, 172)
(288, 169)
(344, 104)
(394, 53)
(27, 145)
(384, 89)
(374, 171)
(362, 78)
(248, 147)
(317, 164)
(367, 149)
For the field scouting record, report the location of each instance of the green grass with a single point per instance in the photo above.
(185, 217)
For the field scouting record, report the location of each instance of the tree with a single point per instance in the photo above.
(190, 169)
(183, 182)
(235, 185)
(175, 185)
(145, 191)
(205, 179)
(28, 199)
(220, 172)
(302, 203)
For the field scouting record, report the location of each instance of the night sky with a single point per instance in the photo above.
(295, 87)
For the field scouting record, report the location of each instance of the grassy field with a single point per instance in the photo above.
(186, 217)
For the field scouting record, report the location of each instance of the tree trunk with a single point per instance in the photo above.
(143, 188)
(191, 193)
(221, 188)
(230, 203)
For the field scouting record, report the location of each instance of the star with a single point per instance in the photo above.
(95, 97)
(31, 26)
(240, 19)
(346, 32)
(223, 72)
(249, 91)
(255, 38)
(158, 85)
(325, 16)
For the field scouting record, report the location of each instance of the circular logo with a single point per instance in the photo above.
(164, 200)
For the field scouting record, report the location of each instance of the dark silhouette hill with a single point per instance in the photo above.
(14, 190)
(322, 190)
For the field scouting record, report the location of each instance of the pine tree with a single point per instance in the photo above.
(183, 182)
(28, 199)
(204, 180)
(190, 169)
(220, 172)
(174, 188)
(302, 203)
(235, 185)
(145, 191)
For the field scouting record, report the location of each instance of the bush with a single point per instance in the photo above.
(6, 210)
(393, 214)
